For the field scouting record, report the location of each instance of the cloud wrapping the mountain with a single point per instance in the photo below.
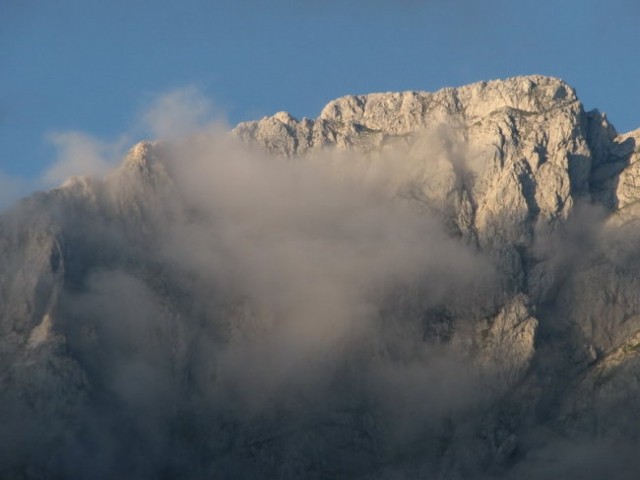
(227, 313)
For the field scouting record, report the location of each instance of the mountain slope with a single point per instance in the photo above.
(413, 284)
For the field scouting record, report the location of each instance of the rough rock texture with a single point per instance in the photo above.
(106, 343)
(508, 342)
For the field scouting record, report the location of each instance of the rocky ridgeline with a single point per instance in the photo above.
(515, 169)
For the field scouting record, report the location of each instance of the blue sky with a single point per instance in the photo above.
(96, 66)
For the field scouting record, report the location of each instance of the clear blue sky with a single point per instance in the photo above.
(93, 66)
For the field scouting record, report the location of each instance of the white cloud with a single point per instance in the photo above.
(173, 115)
(80, 154)
(177, 113)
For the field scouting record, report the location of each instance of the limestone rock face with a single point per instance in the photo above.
(626, 151)
(508, 343)
(153, 327)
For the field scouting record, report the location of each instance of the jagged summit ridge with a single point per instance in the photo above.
(405, 112)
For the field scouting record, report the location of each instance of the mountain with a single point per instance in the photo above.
(438, 285)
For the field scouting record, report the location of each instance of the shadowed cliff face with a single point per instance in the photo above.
(413, 284)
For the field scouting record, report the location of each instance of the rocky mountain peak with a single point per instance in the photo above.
(473, 290)
(142, 158)
(405, 112)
